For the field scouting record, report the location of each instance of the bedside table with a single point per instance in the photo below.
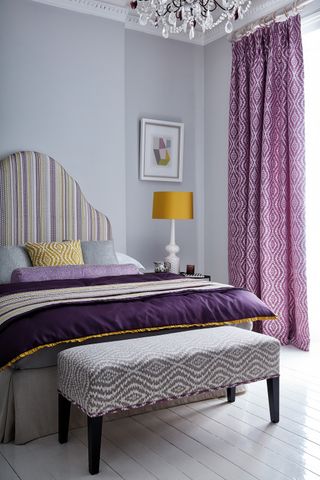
(199, 276)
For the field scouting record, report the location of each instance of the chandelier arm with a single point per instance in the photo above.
(165, 13)
(207, 9)
(216, 3)
(177, 6)
(204, 13)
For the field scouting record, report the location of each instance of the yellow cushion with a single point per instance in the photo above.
(55, 254)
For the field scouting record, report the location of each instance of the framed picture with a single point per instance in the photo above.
(161, 150)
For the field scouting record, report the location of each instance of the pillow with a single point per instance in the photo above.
(123, 258)
(10, 259)
(53, 254)
(69, 272)
(99, 252)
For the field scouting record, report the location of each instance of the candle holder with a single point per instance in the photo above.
(190, 269)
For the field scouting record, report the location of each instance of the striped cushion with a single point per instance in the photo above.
(54, 254)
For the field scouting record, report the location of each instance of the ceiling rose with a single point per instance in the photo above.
(182, 16)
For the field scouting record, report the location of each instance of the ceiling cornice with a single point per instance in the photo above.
(131, 21)
(91, 7)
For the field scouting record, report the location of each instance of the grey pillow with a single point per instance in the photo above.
(99, 252)
(12, 258)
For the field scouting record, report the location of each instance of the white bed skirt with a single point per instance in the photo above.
(28, 410)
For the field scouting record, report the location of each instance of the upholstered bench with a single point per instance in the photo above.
(112, 376)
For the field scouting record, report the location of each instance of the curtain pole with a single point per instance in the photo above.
(278, 15)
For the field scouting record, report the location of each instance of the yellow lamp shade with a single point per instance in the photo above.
(173, 205)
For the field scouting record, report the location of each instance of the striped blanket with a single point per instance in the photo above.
(16, 304)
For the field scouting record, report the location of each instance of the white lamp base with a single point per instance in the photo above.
(174, 262)
(172, 250)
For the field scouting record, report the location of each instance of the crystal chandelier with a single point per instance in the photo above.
(177, 16)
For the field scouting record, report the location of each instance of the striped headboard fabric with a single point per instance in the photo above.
(40, 202)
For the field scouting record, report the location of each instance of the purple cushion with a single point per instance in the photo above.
(67, 272)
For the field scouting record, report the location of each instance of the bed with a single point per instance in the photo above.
(40, 202)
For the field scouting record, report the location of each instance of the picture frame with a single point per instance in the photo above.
(161, 150)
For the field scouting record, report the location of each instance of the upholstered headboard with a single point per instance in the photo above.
(39, 201)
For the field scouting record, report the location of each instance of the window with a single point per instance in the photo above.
(311, 47)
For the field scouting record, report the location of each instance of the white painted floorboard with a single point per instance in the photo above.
(6, 471)
(210, 440)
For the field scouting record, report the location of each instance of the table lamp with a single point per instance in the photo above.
(173, 206)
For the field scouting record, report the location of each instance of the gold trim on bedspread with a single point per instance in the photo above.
(138, 330)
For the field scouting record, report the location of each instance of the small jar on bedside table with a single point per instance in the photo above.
(190, 273)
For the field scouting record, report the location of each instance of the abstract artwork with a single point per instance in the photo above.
(161, 150)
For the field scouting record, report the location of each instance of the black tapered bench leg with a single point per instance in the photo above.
(231, 394)
(273, 395)
(64, 416)
(94, 443)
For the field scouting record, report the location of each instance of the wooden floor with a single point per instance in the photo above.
(210, 440)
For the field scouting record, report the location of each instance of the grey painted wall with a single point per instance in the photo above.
(164, 80)
(62, 93)
(75, 86)
(217, 63)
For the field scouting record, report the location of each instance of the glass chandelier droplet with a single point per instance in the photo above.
(165, 31)
(172, 18)
(228, 27)
(143, 20)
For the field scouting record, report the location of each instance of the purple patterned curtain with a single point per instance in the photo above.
(267, 176)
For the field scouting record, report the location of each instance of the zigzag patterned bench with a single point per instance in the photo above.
(112, 376)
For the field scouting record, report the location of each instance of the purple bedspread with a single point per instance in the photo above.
(25, 334)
